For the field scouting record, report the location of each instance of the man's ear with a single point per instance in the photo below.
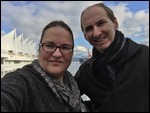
(85, 37)
(116, 25)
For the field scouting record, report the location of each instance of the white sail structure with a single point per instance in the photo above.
(18, 46)
(8, 43)
(16, 51)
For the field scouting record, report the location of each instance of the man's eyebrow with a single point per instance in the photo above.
(100, 21)
(88, 26)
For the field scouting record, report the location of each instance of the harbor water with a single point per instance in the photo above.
(74, 66)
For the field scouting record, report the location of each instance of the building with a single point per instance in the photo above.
(16, 51)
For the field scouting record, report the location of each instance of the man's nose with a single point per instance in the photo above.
(96, 31)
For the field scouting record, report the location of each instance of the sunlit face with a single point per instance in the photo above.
(56, 63)
(99, 30)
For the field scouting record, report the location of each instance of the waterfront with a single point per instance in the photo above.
(74, 66)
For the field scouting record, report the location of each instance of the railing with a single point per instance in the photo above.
(9, 68)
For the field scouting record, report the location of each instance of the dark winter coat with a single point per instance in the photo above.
(28, 93)
(129, 92)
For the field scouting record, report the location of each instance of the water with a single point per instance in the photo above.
(74, 66)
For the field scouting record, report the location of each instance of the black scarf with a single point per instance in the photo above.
(105, 65)
(67, 92)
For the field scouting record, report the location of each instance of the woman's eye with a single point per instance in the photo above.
(65, 48)
(50, 46)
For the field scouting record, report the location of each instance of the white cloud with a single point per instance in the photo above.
(80, 49)
(32, 17)
(133, 25)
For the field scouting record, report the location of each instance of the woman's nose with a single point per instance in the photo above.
(57, 52)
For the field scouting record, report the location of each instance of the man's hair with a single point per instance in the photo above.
(107, 9)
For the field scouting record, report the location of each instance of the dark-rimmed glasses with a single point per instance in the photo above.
(48, 47)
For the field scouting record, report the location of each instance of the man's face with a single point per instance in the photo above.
(98, 29)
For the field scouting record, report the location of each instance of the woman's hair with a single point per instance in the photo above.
(55, 24)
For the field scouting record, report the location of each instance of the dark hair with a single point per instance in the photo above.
(107, 9)
(57, 23)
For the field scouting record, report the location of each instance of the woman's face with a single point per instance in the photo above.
(55, 63)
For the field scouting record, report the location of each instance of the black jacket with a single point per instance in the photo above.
(24, 91)
(129, 92)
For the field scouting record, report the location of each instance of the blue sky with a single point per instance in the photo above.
(29, 18)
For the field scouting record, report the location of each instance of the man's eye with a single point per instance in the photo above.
(89, 28)
(101, 23)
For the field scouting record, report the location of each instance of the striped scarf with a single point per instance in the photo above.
(67, 92)
(105, 65)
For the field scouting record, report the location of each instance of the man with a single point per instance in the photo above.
(116, 77)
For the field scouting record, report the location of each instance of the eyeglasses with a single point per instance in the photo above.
(48, 47)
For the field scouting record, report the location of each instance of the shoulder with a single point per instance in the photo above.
(145, 48)
(86, 64)
(20, 76)
(137, 52)
(132, 45)
(84, 69)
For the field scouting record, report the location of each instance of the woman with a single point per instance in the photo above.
(45, 85)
